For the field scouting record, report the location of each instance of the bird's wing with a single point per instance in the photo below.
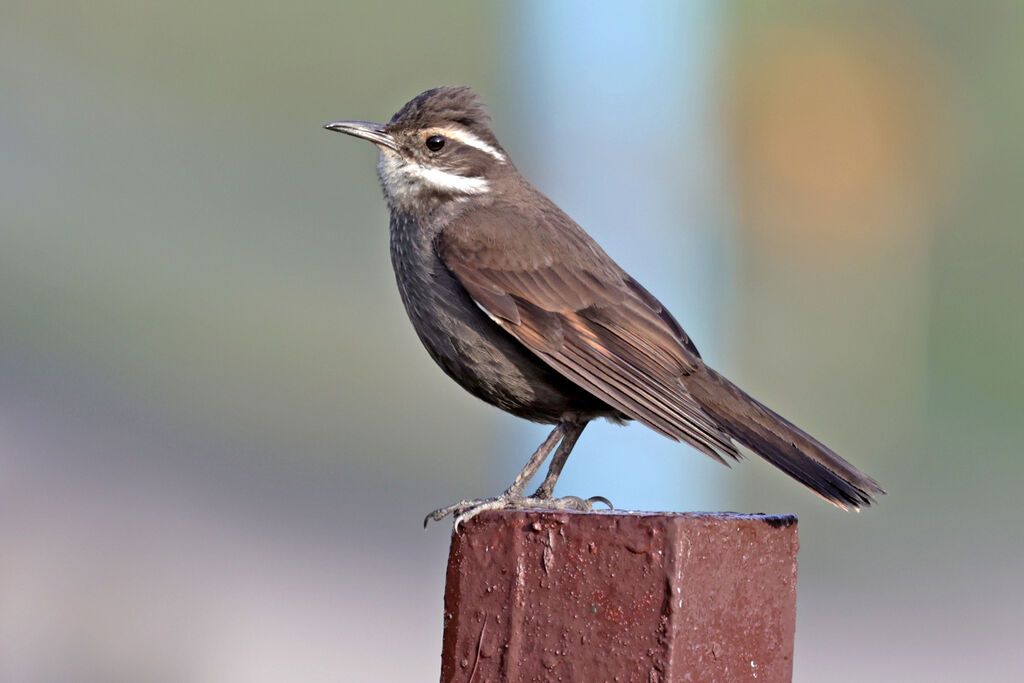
(571, 305)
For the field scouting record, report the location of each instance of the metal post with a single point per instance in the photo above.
(620, 596)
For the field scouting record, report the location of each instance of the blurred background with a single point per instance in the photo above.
(219, 434)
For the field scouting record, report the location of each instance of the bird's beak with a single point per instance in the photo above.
(367, 130)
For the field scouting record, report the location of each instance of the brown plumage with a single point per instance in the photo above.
(520, 306)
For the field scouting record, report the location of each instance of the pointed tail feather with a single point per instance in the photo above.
(780, 442)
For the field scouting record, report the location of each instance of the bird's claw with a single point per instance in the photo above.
(600, 499)
(466, 510)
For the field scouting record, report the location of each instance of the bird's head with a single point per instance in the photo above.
(437, 148)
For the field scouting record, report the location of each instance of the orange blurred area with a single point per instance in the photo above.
(839, 137)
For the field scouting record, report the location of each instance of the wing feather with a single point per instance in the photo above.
(583, 316)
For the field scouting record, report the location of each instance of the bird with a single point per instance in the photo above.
(523, 309)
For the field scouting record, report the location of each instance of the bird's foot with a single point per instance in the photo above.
(468, 509)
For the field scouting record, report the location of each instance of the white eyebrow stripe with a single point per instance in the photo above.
(452, 182)
(467, 138)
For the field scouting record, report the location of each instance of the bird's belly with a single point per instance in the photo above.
(485, 360)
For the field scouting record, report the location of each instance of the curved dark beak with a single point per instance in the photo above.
(367, 130)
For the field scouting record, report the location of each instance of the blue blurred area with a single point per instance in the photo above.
(614, 111)
(219, 434)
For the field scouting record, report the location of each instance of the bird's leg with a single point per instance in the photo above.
(466, 509)
(568, 433)
(546, 490)
(518, 485)
(572, 434)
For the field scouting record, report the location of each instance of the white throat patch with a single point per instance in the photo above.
(404, 180)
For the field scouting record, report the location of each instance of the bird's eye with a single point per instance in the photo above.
(435, 142)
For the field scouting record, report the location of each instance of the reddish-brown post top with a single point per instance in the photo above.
(620, 596)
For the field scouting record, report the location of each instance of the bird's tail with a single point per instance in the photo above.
(780, 442)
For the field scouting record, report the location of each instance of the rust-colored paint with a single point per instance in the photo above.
(620, 596)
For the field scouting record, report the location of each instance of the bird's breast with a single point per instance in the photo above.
(470, 347)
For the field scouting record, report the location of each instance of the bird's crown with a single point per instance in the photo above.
(458, 106)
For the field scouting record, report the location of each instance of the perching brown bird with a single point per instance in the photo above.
(522, 308)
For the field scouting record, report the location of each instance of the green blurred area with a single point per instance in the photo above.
(178, 235)
(893, 226)
(176, 216)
